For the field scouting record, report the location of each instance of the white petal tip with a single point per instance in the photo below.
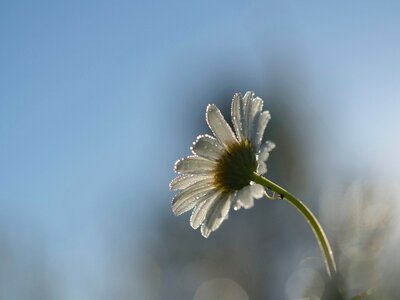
(272, 145)
(175, 212)
(176, 165)
(206, 235)
(178, 210)
(205, 231)
(211, 106)
(248, 94)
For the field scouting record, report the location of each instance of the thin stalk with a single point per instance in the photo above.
(308, 215)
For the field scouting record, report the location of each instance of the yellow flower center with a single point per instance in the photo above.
(235, 167)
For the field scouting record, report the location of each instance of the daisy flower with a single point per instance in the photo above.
(227, 169)
(219, 173)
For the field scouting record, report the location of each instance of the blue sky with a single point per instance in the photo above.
(91, 111)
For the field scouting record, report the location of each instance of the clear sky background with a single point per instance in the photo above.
(94, 102)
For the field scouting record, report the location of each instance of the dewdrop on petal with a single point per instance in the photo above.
(218, 174)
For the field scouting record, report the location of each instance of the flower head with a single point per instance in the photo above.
(218, 174)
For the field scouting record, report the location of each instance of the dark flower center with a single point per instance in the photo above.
(235, 167)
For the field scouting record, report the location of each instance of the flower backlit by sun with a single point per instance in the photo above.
(218, 174)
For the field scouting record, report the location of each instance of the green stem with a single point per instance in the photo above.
(308, 215)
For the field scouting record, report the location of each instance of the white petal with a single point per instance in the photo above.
(190, 197)
(260, 123)
(266, 148)
(244, 112)
(205, 231)
(254, 108)
(201, 210)
(257, 191)
(222, 131)
(244, 198)
(237, 116)
(183, 181)
(194, 165)
(207, 147)
(217, 214)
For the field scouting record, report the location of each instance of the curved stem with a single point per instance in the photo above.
(308, 215)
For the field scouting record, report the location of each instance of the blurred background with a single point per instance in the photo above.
(99, 98)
